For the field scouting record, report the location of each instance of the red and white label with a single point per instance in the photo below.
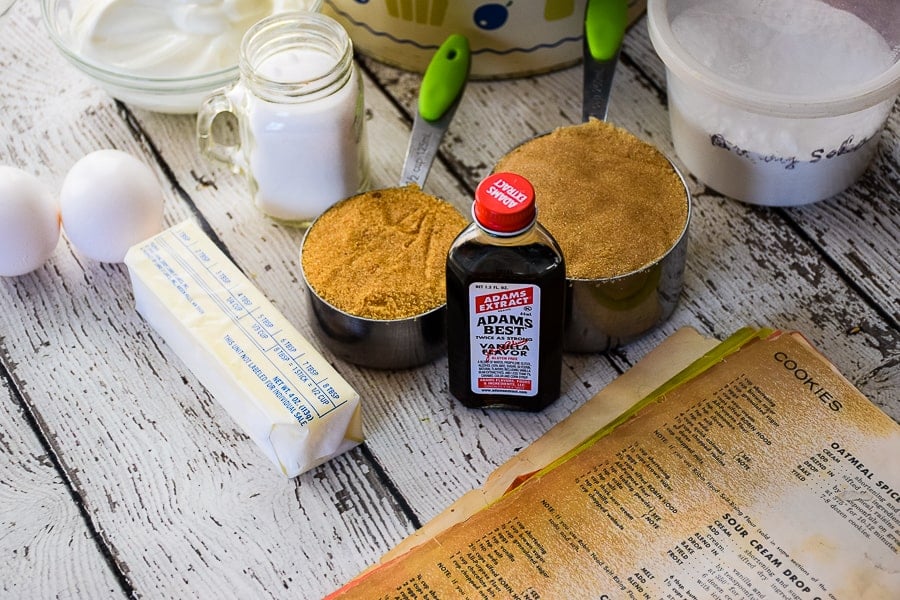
(502, 300)
(504, 331)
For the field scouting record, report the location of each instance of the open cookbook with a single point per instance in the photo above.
(743, 469)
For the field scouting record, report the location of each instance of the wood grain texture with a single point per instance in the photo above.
(49, 550)
(182, 501)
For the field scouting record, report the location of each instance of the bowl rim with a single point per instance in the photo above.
(872, 92)
(120, 77)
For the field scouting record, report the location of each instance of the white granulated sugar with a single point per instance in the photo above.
(791, 47)
(803, 51)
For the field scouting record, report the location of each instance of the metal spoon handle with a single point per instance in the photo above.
(442, 88)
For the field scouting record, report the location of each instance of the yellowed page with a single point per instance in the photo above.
(663, 362)
(769, 476)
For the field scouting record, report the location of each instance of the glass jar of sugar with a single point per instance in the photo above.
(301, 117)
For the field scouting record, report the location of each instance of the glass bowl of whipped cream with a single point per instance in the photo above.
(159, 55)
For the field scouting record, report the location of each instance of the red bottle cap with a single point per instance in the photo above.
(504, 203)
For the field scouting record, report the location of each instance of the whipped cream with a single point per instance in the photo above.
(169, 38)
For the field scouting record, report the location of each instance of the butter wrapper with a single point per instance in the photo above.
(285, 396)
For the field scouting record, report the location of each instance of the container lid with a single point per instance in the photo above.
(504, 204)
(864, 95)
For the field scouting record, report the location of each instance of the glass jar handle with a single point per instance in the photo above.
(210, 109)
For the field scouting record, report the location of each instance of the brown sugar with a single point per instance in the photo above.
(613, 202)
(382, 254)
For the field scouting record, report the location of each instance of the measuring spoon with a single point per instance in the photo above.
(604, 29)
(439, 96)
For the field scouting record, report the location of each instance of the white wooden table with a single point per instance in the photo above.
(121, 476)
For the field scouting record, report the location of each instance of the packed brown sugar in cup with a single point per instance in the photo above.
(613, 202)
(382, 254)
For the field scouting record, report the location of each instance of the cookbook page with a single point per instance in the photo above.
(769, 476)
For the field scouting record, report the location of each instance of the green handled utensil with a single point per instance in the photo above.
(604, 28)
(442, 88)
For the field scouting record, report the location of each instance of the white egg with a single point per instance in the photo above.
(110, 201)
(29, 222)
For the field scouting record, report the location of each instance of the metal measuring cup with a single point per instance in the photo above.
(419, 339)
(604, 313)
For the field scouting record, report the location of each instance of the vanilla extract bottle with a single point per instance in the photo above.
(506, 286)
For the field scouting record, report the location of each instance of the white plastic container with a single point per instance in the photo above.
(778, 102)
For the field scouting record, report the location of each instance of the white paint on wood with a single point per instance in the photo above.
(49, 550)
(181, 498)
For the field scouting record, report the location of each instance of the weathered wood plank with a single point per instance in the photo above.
(186, 506)
(49, 550)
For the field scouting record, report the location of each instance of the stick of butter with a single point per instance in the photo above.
(272, 382)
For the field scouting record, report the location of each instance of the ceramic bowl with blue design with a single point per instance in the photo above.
(508, 38)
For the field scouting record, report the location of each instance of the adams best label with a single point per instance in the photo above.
(504, 330)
